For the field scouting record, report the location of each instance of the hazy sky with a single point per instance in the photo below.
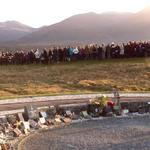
(37, 13)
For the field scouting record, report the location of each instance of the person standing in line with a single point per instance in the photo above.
(103, 51)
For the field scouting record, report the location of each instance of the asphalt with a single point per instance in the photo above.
(9, 106)
(131, 133)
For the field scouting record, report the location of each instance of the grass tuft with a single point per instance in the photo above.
(75, 77)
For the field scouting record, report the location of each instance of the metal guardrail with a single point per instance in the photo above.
(65, 97)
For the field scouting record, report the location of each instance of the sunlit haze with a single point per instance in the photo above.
(37, 13)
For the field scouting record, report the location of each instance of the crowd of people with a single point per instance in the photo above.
(66, 54)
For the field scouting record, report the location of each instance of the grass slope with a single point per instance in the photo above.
(75, 77)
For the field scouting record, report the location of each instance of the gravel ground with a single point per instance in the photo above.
(131, 133)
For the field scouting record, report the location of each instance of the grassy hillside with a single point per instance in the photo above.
(76, 77)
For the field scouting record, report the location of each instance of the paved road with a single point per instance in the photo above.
(108, 134)
(13, 104)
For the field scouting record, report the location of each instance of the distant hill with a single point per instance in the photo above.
(92, 27)
(89, 27)
(13, 30)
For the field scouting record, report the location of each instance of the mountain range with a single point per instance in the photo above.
(13, 30)
(82, 28)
